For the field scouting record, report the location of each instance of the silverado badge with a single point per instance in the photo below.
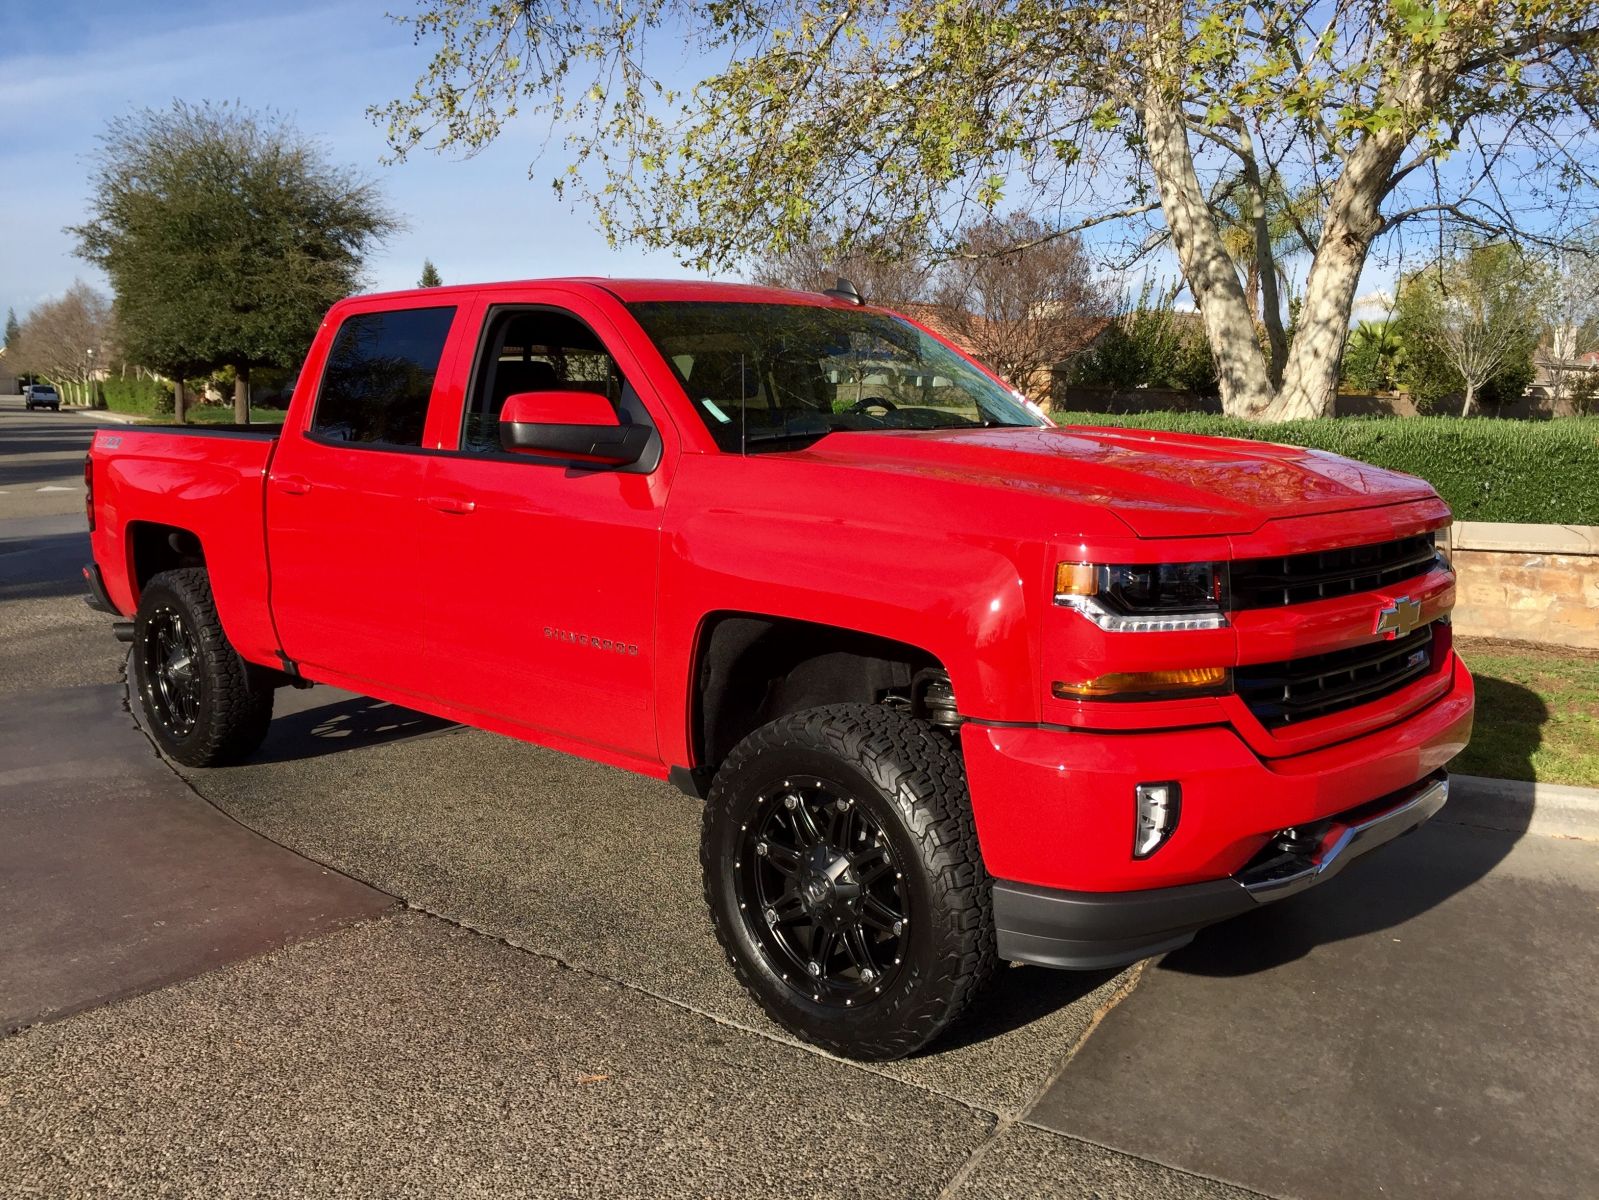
(1400, 617)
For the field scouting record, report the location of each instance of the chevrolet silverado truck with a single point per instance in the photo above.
(955, 685)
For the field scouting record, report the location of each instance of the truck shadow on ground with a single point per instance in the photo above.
(1018, 996)
(347, 724)
(1395, 883)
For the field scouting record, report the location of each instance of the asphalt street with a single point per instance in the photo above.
(542, 1010)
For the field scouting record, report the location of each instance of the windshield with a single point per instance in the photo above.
(773, 376)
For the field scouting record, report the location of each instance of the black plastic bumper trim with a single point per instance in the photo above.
(97, 598)
(1088, 931)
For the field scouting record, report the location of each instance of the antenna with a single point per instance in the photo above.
(843, 289)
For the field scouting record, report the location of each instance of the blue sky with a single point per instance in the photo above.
(67, 67)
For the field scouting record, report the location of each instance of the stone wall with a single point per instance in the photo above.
(1532, 583)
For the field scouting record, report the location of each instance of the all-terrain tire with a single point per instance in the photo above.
(228, 703)
(909, 781)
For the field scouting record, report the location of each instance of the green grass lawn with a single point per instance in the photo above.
(1537, 713)
(222, 414)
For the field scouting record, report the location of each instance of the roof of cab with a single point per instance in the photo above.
(628, 291)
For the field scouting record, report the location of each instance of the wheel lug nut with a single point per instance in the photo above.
(771, 916)
(867, 975)
(760, 849)
(841, 805)
(791, 802)
(814, 968)
(899, 926)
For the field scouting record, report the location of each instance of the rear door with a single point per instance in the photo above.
(548, 620)
(348, 500)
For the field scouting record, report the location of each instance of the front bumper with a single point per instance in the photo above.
(1092, 930)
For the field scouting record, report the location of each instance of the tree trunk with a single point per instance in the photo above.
(241, 395)
(180, 402)
(1471, 399)
(1310, 380)
(1211, 274)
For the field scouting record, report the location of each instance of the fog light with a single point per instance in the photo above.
(1159, 806)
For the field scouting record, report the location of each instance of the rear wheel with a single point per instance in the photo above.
(203, 704)
(844, 879)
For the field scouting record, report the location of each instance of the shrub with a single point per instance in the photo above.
(144, 396)
(1487, 470)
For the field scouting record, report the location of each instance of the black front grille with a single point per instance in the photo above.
(1323, 574)
(1302, 689)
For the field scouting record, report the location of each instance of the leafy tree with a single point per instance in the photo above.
(12, 328)
(64, 341)
(1373, 359)
(430, 275)
(890, 120)
(1470, 324)
(226, 234)
(1150, 344)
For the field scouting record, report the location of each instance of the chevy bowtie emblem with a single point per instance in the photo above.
(1400, 617)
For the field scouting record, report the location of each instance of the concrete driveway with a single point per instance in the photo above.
(547, 1014)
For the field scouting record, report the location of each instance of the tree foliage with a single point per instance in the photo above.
(430, 275)
(226, 235)
(1150, 344)
(1470, 323)
(13, 328)
(894, 121)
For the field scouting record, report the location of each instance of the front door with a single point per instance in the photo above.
(547, 621)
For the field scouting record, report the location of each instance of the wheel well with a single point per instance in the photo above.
(752, 670)
(154, 548)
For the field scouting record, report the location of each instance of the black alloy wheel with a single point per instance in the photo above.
(844, 879)
(828, 890)
(170, 671)
(203, 705)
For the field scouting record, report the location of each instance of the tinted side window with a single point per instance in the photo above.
(541, 350)
(379, 376)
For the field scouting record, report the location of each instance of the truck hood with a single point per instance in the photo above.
(1160, 484)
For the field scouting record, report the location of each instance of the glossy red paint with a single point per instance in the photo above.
(567, 605)
(557, 408)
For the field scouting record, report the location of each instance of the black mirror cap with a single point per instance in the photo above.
(599, 445)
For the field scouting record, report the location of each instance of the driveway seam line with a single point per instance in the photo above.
(1159, 1162)
(1008, 1121)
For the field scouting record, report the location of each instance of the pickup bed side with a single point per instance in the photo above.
(166, 498)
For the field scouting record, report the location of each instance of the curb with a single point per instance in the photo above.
(96, 414)
(1548, 809)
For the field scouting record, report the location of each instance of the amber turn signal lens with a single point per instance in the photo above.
(1076, 579)
(1178, 682)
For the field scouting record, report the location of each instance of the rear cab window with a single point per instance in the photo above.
(379, 376)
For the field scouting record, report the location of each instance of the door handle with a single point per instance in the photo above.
(455, 505)
(294, 485)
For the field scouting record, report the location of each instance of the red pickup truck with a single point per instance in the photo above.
(956, 685)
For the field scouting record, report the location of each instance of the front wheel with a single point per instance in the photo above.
(844, 879)
(203, 704)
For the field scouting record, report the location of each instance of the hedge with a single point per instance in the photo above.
(146, 396)
(1487, 470)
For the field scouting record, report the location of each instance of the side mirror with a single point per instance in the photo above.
(577, 425)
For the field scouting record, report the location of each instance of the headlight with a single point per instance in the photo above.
(1145, 597)
(1443, 541)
